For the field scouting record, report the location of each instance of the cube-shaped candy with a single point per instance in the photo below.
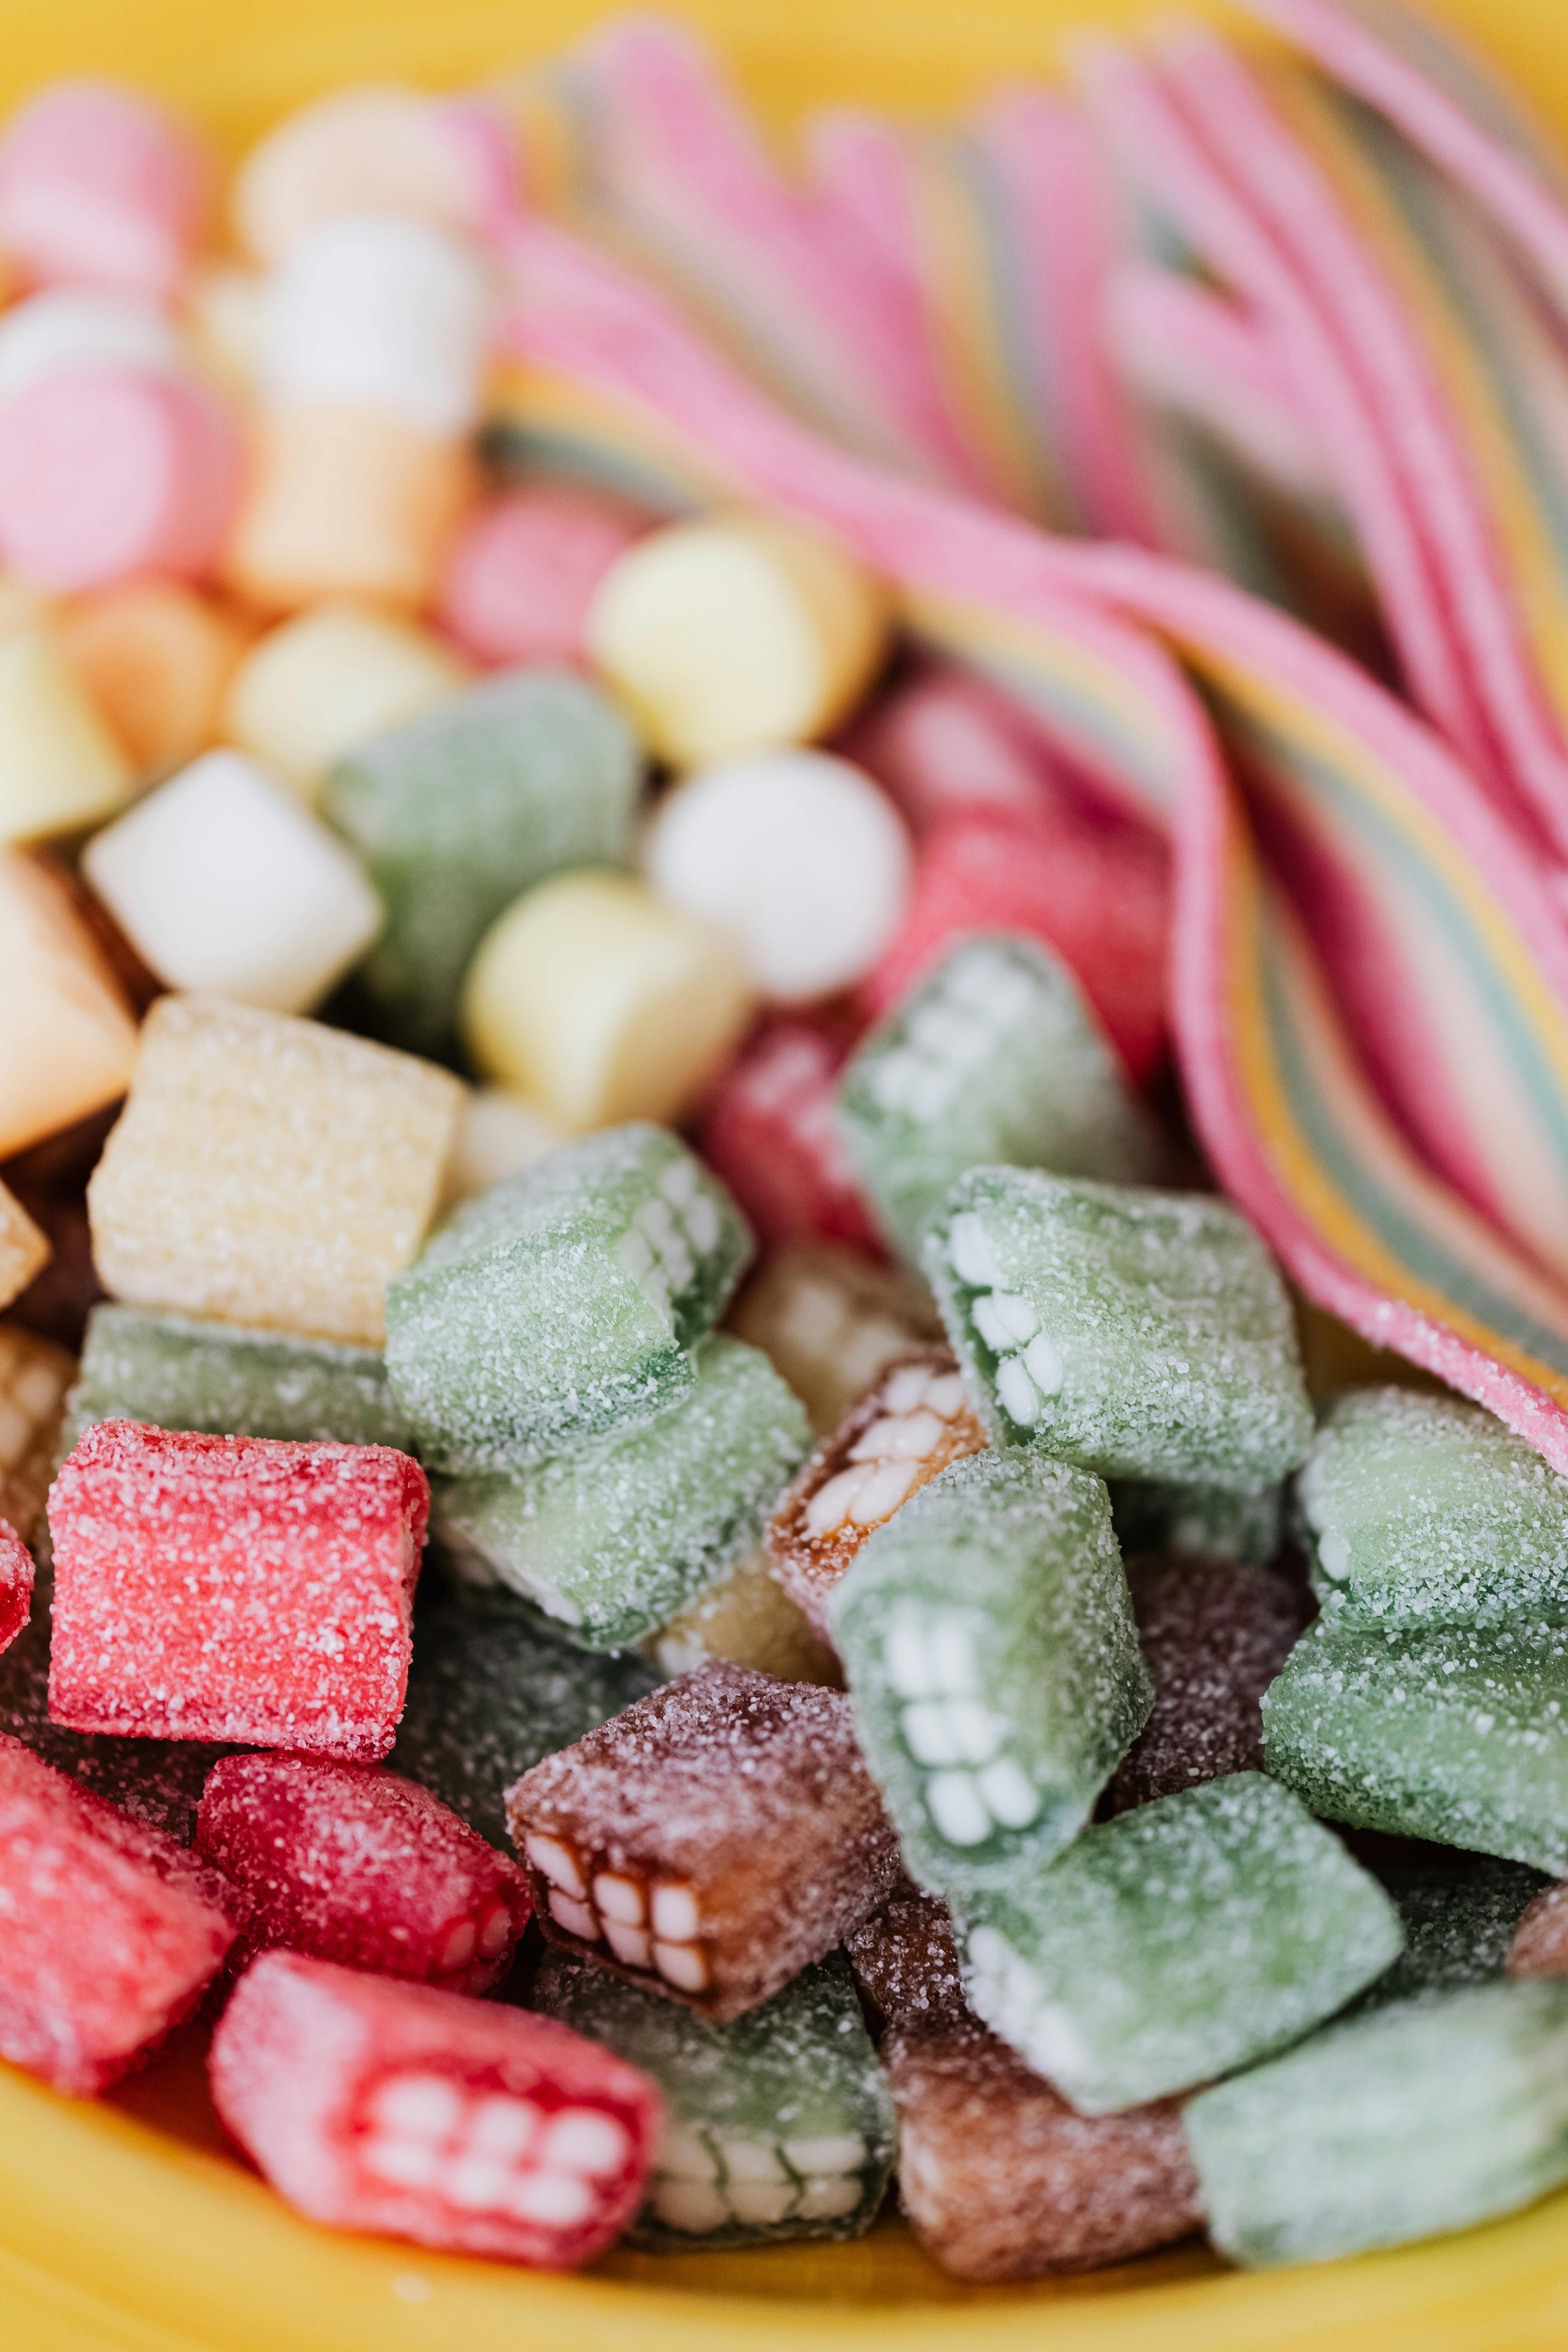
(414, 2113)
(110, 1932)
(363, 1867)
(233, 1588)
(711, 1842)
(61, 767)
(1141, 1334)
(561, 1306)
(23, 1248)
(1151, 1514)
(829, 1321)
(769, 1133)
(777, 2126)
(269, 1171)
(1182, 1940)
(993, 1056)
(1463, 1917)
(750, 1618)
(914, 1422)
(316, 686)
(16, 1584)
(988, 1643)
(68, 1044)
(613, 1540)
(905, 1958)
(34, 1377)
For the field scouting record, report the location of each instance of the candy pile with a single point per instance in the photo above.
(569, 1045)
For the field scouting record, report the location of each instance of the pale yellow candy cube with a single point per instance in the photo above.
(751, 1620)
(317, 685)
(269, 1170)
(23, 1249)
(737, 633)
(499, 1135)
(599, 1004)
(61, 767)
(35, 1377)
(67, 1042)
(829, 1322)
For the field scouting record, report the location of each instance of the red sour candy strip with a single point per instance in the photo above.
(16, 1584)
(771, 1136)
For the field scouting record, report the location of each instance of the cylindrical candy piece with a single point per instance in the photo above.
(68, 328)
(523, 572)
(156, 657)
(371, 149)
(98, 188)
(315, 686)
(61, 766)
(68, 1044)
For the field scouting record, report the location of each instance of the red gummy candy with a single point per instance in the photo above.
(374, 2105)
(363, 1867)
(948, 746)
(769, 1135)
(233, 1589)
(110, 1932)
(16, 1584)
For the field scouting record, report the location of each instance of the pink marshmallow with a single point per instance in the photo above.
(99, 188)
(523, 572)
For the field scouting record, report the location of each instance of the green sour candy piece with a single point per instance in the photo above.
(992, 1663)
(616, 1539)
(179, 1374)
(1454, 1733)
(561, 1307)
(1205, 1522)
(1143, 1335)
(995, 1055)
(1183, 1939)
(1425, 1510)
(457, 813)
(1421, 2117)
(778, 2126)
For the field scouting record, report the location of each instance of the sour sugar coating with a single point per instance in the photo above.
(269, 1171)
(16, 1584)
(913, 1422)
(751, 1620)
(110, 1932)
(1199, 1522)
(769, 1133)
(1423, 2116)
(999, 2178)
(23, 1248)
(413, 2113)
(363, 1867)
(233, 1589)
(711, 1842)
(1214, 1636)
(1178, 1942)
(34, 1377)
(1453, 1733)
(995, 1056)
(778, 2126)
(905, 1958)
(459, 811)
(1423, 1510)
(993, 1663)
(829, 1322)
(561, 1307)
(612, 1540)
(1140, 1334)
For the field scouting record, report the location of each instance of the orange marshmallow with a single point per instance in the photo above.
(157, 659)
(67, 1042)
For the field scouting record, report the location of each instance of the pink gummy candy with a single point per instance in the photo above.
(350, 1863)
(374, 2105)
(16, 1584)
(947, 746)
(110, 1932)
(233, 1589)
(107, 472)
(521, 574)
(98, 188)
(770, 1135)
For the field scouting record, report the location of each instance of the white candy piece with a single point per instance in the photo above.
(379, 311)
(223, 883)
(71, 327)
(799, 858)
(375, 148)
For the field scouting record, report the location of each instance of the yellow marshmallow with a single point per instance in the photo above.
(34, 1377)
(829, 1322)
(23, 1249)
(66, 1041)
(736, 634)
(752, 1621)
(600, 1004)
(156, 658)
(317, 685)
(371, 150)
(61, 767)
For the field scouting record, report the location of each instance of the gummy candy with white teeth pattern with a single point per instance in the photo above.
(992, 1665)
(562, 1306)
(1139, 1334)
(993, 1056)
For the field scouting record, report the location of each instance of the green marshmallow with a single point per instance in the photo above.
(1204, 1522)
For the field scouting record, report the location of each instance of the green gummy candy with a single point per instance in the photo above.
(1180, 1940)
(1140, 1334)
(1208, 1522)
(778, 2126)
(995, 1055)
(562, 1306)
(459, 810)
(614, 1540)
(1423, 1509)
(1425, 2115)
(1453, 1733)
(992, 1663)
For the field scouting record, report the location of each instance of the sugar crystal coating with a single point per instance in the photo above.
(769, 1131)
(905, 1957)
(16, 1584)
(1460, 1913)
(829, 1322)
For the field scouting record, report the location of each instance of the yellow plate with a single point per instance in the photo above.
(127, 2226)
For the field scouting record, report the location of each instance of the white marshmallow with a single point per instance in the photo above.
(71, 327)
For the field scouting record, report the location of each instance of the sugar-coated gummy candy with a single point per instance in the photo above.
(1138, 1334)
(561, 1307)
(413, 2113)
(110, 1932)
(16, 1584)
(1179, 1516)
(748, 1618)
(613, 1540)
(460, 810)
(68, 1044)
(61, 768)
(1460, 1913)
(233, 1588)
(947, 744)
(317, 685)
(35, 1375)
(735, 634)
(269, 1171)
(363, 1867)
(778, 2126)
(992, 1666)
(600, 1003)
(69, 327)
(1180, 1940)
(23, 1248)
(905, 1958)
(769, 1130)
(912, 1421)
(995, 1056)
(99, 188)
(524, 569)
(711, 1841)
(156, 657)
(830, 1322)
(222, 882)
(373, 147)
(499, 1135)
(1000, 2178)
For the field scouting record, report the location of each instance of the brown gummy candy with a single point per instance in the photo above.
(905, 1957)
